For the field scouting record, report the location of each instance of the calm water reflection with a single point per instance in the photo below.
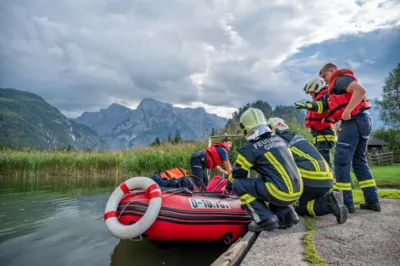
(65, 227)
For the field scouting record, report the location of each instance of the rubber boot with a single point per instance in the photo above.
(373, 207)
(266, 225)
(337, 207)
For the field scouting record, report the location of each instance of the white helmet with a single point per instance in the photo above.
(314, 85)
(277, 123)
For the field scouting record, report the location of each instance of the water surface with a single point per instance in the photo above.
(47, 224)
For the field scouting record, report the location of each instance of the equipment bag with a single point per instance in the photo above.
(174, 178)
(217, 184)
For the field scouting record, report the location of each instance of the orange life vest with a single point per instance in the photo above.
(212, 155)
(314, 120)
(338, 102)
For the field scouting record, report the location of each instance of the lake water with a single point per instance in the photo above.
(62, 226)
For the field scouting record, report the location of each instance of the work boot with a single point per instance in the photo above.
(288, 219)
(336, 207)
(374, 207)
(266, 225)
(351, 209)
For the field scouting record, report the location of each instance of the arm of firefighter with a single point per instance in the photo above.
(221, 171)
(357, 92)
(241, 168)
(228, 167)
(318, 106)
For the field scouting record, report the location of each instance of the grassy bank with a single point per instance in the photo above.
(82, 163)
(385, 176)
(310, 252)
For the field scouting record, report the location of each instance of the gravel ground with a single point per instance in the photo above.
(367, 238)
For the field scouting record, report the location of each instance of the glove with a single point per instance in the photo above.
(306, 105)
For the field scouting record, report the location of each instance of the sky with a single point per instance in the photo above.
(85, 55)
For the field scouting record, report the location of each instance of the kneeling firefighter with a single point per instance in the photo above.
(317, 199)
(211, 158)
(267, 198)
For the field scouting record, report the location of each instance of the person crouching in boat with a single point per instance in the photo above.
(317, 199)
(211, 158)
(269, 197)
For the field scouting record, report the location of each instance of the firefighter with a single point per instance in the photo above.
(267, 198)
(324, 134)
(346, 101)
(317, 199)
(211, 158)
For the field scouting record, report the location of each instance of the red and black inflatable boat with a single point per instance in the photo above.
(183, 215)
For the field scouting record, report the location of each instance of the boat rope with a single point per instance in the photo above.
(171, 192)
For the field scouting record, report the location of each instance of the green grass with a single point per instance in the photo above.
(77, 163)
(358, 196)
(310, 252)
(385, 176)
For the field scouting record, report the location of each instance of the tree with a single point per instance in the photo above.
(391, 136)
(390, 103)
(156, 142)
(169, 139)
(177, 137)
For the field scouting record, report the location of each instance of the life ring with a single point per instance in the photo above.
(134, 230)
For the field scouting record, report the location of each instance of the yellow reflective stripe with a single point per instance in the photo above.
(283, 196)
(246, 165)
(367, 183)
(342, 186)
(291, 154)
(266, 203)
(308, 157)
(310, 208)
(316, 175)
(281, 170)
(246, 199)
(320, 107)
(230, 178)
(321, 138)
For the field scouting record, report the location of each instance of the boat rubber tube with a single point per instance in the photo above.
(134, 230)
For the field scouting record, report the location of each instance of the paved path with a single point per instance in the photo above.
(278, 247)
(367, 238)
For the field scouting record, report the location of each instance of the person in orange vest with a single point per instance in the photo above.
(324, 134)
(346, 101)
(211, 158)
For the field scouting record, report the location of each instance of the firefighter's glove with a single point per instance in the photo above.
(307, 106)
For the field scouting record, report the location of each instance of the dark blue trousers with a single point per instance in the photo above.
(256, 199)
(313, 201)
(198, 169)
(351, 152)
(324, 148)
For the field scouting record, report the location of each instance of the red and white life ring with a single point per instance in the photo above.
(134, 230)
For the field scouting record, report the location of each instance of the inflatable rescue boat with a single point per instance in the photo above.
(139, 208)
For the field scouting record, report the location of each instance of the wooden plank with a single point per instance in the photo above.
(235, 254)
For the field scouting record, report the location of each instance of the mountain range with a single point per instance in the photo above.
(27, 120)
(122, 127)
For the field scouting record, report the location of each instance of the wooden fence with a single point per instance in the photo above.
(396, 156)
(385, 158)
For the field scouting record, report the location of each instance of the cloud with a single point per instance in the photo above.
(85, 55)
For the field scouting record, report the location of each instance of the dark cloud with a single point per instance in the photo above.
(84, 55)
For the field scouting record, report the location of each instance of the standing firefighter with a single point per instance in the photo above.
(317, 198)
(346, 101)
(211, 158)
(324, 135)
(267, 198)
